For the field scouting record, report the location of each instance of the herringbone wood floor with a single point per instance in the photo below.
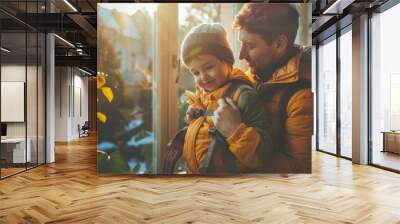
(70, 191)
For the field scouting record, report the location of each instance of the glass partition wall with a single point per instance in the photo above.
(327, 96)
(334, 95)
(22, 88)
(13, 85)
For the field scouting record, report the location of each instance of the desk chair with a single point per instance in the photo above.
(84, 130)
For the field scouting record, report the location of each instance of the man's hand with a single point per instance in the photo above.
(227, 117)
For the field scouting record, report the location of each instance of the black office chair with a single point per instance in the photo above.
(84, 130)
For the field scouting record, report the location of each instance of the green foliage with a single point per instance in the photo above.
(111, 163)
(109, 64)
(118, 125)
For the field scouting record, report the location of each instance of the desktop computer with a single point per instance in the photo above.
(3, 130)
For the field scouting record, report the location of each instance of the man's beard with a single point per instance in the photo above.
(266, 73)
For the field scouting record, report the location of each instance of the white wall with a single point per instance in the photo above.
(80, 112)
(61, 104)
(16, 73)
(71, 93)
(34, 124)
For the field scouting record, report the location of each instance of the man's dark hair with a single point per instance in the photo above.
(269, 20)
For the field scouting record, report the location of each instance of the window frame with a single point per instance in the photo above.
(379, 10)
(334, 37)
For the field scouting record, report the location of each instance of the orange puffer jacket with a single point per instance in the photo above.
(245, 143)
(294, 156)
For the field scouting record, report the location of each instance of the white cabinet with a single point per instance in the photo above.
(17, 146)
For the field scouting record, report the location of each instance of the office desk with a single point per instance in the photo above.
(391, 141)
(13, 150)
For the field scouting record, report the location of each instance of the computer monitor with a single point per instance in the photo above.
(3, 129)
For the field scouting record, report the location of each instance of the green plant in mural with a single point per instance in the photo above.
(124, 142)
(124, 146)
(107, 93)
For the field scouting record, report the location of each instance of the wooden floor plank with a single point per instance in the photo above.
(70, 191)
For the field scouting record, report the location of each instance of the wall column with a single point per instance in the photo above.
(360, 90)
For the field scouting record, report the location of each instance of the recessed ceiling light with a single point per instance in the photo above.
(70, 5)
(5, 50)
(84, 71)
(64, 40)
(333, 8)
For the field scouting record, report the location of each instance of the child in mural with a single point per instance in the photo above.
(205, 51)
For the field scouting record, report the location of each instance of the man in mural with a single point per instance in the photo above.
(283, 70)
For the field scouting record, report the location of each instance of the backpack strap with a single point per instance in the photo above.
(174, 151)
(218, 140)
(233, 92)
(235, 88)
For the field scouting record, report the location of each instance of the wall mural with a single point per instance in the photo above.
(234, 95)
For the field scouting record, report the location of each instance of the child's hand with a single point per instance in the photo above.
(227, 117)
(189, 113)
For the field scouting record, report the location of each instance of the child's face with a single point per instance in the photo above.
(209, 72)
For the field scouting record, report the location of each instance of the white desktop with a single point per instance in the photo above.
(13, 104)
(16, 147)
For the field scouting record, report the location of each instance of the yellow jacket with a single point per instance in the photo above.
(244, 143)
(295, 155)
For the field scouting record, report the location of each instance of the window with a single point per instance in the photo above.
(145, 98)
(385, 85)
(327, 96)
(346, 93)
(125, 96)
